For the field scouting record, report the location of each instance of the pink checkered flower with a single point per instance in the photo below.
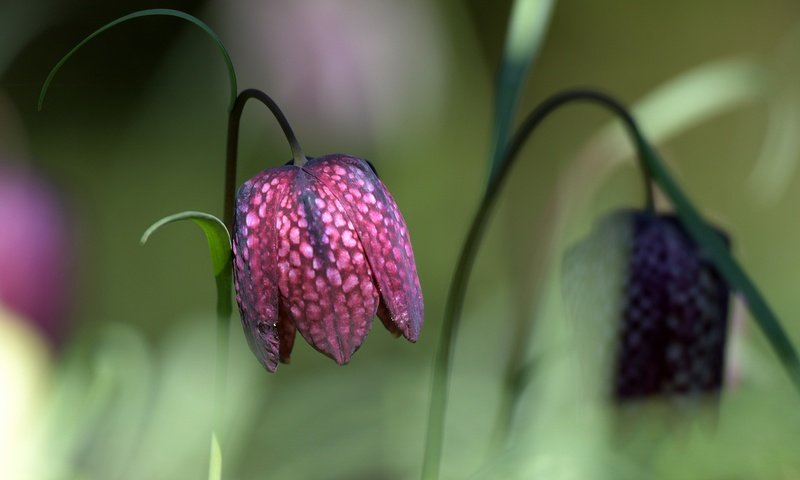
(321, 249)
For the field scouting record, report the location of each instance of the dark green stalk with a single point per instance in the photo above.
(234, 120)
(223, 275)
(651, 166)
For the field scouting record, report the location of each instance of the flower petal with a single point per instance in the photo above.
(383, 232)
(255, 270)
(325, 281)
(386, 319)
(286, 333)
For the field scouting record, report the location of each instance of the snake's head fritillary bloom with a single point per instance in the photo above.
(321, 249)
(671, 307)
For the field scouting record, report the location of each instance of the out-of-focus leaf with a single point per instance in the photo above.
(676, 106)
(148, 13)
(215, 460)
(82, 427)
(777, 162)
(219, 241)
(526, 28)
(686, 101)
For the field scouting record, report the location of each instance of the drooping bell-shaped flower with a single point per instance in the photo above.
(321, 248)
(669, 305)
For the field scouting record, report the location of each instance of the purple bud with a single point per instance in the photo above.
(674, 324)
(35, 252)
(672, 309)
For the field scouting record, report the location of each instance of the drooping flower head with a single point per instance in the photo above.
(672, 337)
(321, 249)
(669, 303)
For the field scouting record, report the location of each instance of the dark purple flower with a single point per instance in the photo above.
(321, 249)
(35, 252)
(672, 311)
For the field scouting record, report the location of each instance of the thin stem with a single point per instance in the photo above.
(224, 309)
(234, 120)
(455, 299)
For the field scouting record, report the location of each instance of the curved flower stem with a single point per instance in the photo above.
(652, 167)
(234, 120)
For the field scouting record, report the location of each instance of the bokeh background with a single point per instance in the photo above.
(118, 384)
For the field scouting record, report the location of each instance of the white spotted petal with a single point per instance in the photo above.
(255, 243)
(321, 249)
(384, 235)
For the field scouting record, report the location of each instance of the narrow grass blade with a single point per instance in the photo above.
(147, 13)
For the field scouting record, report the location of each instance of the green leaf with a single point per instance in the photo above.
(777, 162)
(526, 28)
(219, 241)
(148, 13)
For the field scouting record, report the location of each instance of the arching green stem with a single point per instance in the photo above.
(147, 13)
(234, 120)
(651, 167)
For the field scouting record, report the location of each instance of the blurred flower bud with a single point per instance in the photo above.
(35, 251)
(671, 305)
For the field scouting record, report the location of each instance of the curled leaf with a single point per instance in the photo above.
(219, 240)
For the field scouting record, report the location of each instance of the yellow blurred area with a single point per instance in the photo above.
(25, 374)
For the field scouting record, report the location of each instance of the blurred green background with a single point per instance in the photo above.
(134, 128)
